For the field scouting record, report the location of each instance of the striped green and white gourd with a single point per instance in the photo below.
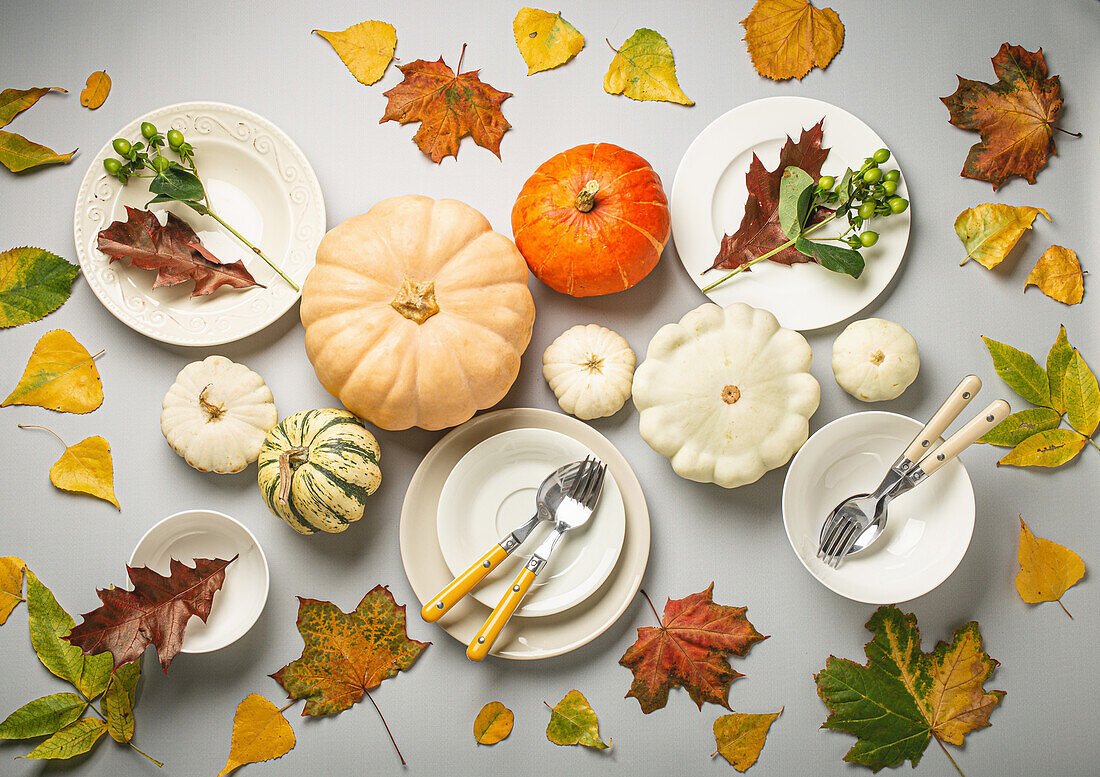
(317, 468)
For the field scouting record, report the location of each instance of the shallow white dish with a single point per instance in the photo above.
(928, 530)
(491, 491)
(522, 638)
(708, 201)
(257, 179)
(193, 534)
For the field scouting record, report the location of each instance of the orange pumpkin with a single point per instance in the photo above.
(592, 220)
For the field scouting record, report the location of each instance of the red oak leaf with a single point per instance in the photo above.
(689, 649)
(449, 107)
(760, 231)
(173, 250)
(155, 612)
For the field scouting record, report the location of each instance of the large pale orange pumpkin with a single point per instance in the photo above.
(592, 220)
(417, 313)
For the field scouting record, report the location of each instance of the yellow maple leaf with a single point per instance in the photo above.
(85, 467)
(11, 585)
(1058, 275)
(366, 48)
(643, 69)
(493, 723)
(787, 38)
(60, 375)
(96, 89)
(1047, 569)
(260, 733)
(545, 40)
(740, 737)
(989, 231)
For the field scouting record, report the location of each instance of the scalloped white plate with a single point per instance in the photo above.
(257, 179)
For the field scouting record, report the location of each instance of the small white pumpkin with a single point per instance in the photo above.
(875, 359)
(726, 394)
(589, 369)
(217, 414)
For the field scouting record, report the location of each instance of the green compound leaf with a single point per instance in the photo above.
(573, 722)
(1020, 371)
(75, 739)
(1081, 395)
(42, 717)
(33, 282)
(118, 701)
(48, 624)
(1057, 362)
(1051, 448)
(1019, 426)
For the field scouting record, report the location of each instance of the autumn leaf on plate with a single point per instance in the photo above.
(990, 231)
(96, 89)
(365, 48)
(173, 250)
(449, 107)
(545, 40)
(786, 38)
(902, 698)
(689, 649)
(33, 283)
(1015, 116)
(85, 467)
(740, 737)
(260, 733)
(11, 585)
(493, 723)
(60, 375)
(1058, 275)
(155, 612)
(643, 69)
(760, 230)
(573, 722)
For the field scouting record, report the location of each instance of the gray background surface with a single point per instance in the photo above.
(898, 59)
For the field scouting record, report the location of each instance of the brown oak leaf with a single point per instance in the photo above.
(760, 231)
(1014, 116)
(449, 107)
(689, 649)
(173, 250)
(155, 612)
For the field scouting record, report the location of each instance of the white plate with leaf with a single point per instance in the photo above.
(256, 179)
(709, 201)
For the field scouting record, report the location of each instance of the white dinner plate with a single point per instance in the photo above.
(708, 201)
(522, 638)
(928, 529)
(257, 179)
(491, 491)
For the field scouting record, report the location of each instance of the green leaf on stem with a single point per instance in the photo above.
(48, 624)
(176, 184)
(796, 188)
(118, 701)
(42, 717)
(1020, 371)
(835, 258)
(1082, 395)
(1019, 426)
(1057, 362)
(75, 739)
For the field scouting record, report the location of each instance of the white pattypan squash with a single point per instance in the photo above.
(589, 369)
(726, 394)
(217, 414)
(875, 359)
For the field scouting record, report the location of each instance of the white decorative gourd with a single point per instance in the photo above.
(875, 359)
(589, 369)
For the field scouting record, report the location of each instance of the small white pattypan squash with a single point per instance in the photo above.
(726, 394)
(875, 359)
(217, 414)
(589, 369)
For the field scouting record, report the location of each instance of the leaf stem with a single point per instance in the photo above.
(655, 615)
(255, 250)
(48, 429)
(387, 725)
(768, 255)
(1064, 609)
(949, 758)
(1093, 444)
(1074, 134)
(97, 711)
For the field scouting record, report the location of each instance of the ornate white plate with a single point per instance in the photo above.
(257, 179)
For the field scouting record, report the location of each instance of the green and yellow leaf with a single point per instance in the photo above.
(15, 101)
(43, 716)
(643, 69)
(493, 723)
(1081, 395)
(118, 701)
(573, 722)
(260, 733)
(11, 585)
(76, 738)
(19, 154)
(1047, 569)
(61, 375)
(1057, 361)
(545, 40)
(740, 737)
(366, 48)
(48, 625)
(1020, 371)
(1019, 426)
(33, 282)
(1051, 448)
(990, 231)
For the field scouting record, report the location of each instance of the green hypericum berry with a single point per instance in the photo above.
(148, 129)
(866, 210)
(890, 187)
(175, 139)
(112, 165)
(868, 239)
(160, 164)
(874, 175)
(897, 204)
(122, 146)
(882, 155)
(892, 175)
(826, 182)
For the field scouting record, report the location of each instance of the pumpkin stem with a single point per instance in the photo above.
(586, 197)
(878, 357)
(594, 363)
(416, 301)
(731, 394)
(289, 460)
(214, 412)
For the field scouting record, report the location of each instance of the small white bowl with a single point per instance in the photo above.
(193, 534)
(928, 530)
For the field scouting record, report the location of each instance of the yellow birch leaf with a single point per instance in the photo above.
(96, 89)
(260, 733)
(366, 48)
(545, 40)
(1058, 275)
(85, 467)
(643, 69)
(740, 737)
(60, 375)
(1047, 569)
(787, 38)
(11, 585)
(1051, 448)
(989, 231)
(493, 723)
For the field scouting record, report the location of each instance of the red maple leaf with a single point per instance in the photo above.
(173, 250)
(689, 649)
(155, 612)
(760, 231)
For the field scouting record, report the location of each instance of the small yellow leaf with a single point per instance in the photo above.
(573, 722)
(643, 69)
(740, 737)
(366, 48)
(1058, 275)
(96, 90)
(493, 723)
(1051, 448)
(989, 231)
(545, 40)
(85, 467)
(11, 585)
(1047, 569)
(260, 733)
(786, 38)
(60, 375)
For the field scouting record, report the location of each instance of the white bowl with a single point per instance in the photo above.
(491, 491)
(193, 534)
(928, 530)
